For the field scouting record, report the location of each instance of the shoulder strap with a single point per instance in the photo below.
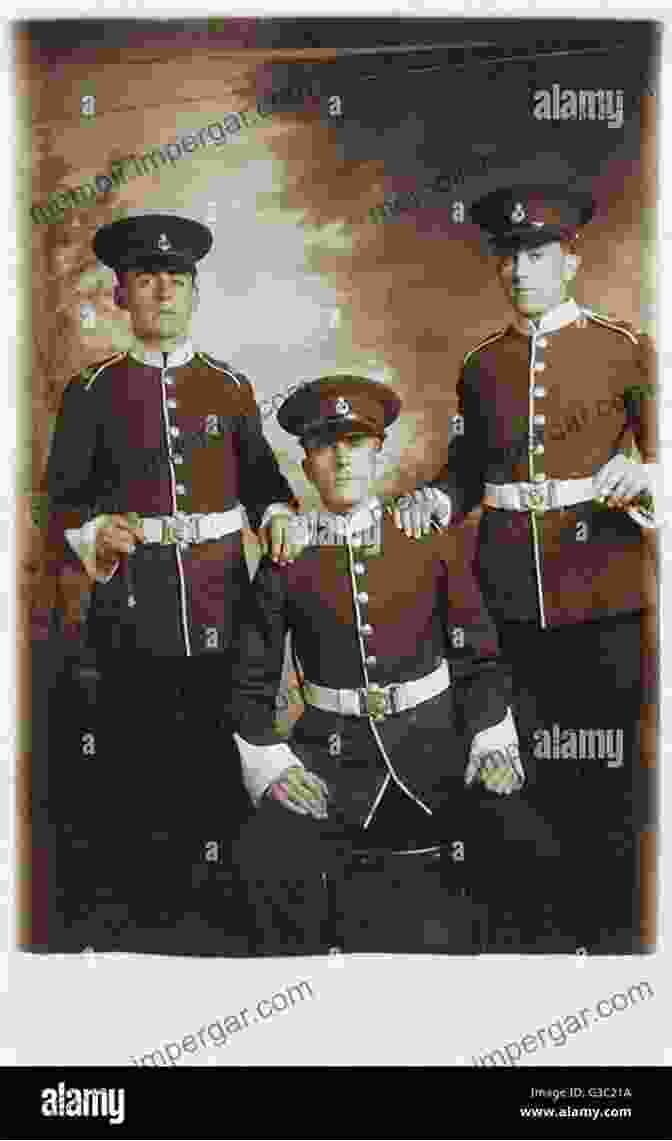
(610, 323)
(483, 344)
(219, 367)
(89, 374)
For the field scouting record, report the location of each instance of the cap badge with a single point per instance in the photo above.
(163, 244)
(518, 213)
(342, 406)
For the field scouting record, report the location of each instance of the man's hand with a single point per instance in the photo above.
(116, 536)
(301, 791)
(494, 758)
(621, 481)
(499, 770)
(413, 513)
(284, 536)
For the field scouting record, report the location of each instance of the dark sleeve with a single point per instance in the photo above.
(69, 475)
(258, 655)
(481, 679)
(69, 485)
(462, 475)
(261, 481)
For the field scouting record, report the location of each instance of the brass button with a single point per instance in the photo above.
(174, 431)
(542, 342)
(539, 366)
(169, 379)
(180, 489)
(171, 402)
(539, 391)
(366, 630)
(539, 419)
(359, 568)
(363, 597)
(371, 660)
(177, 458)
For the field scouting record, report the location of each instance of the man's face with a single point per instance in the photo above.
(343, 470)
(536, 280)
(161, 304)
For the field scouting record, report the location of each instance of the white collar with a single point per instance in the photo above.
(179, 355)
(557, 318)
(359, 519)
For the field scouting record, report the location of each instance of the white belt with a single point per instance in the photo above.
(378, 701)
(539, 496)
(186, 529)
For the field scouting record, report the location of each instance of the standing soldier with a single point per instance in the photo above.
(549, 410)
(155, 450)
(405, 702)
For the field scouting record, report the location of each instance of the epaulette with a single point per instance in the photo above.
(89, 374)
(483, 344)
(623, 327)
(221, 366)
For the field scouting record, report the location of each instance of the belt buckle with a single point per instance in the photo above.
(372, 703)
(536, 496)
(177, 529)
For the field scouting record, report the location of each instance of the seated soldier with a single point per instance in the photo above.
(393, 733)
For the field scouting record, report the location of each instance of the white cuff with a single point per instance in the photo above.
(262, 764)
(276, 509)
(443, 508)
(496, 737)
(83, 542)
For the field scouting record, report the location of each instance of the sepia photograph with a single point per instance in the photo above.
(337, 487)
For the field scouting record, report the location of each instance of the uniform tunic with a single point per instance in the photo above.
(373, 613)
(556, 402)
(187, 438)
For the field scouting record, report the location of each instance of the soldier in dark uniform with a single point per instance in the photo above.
(154, 452)
(405, 703)
(549, 410)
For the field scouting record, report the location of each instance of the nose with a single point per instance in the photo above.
(164, 283)
(342, 450)
(518, 266)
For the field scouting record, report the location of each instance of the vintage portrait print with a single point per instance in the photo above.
(337, 483)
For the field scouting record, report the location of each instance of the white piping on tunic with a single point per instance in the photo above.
(372, 725)
(218, 368)
(530, 461)
(173, 496)
(98, 371)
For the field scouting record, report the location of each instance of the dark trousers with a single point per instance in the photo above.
(159, 799)
(592, 792)
(312, 883)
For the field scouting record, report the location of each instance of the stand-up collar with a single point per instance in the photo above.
(361, 518)
(558, 318)
(180, 355)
